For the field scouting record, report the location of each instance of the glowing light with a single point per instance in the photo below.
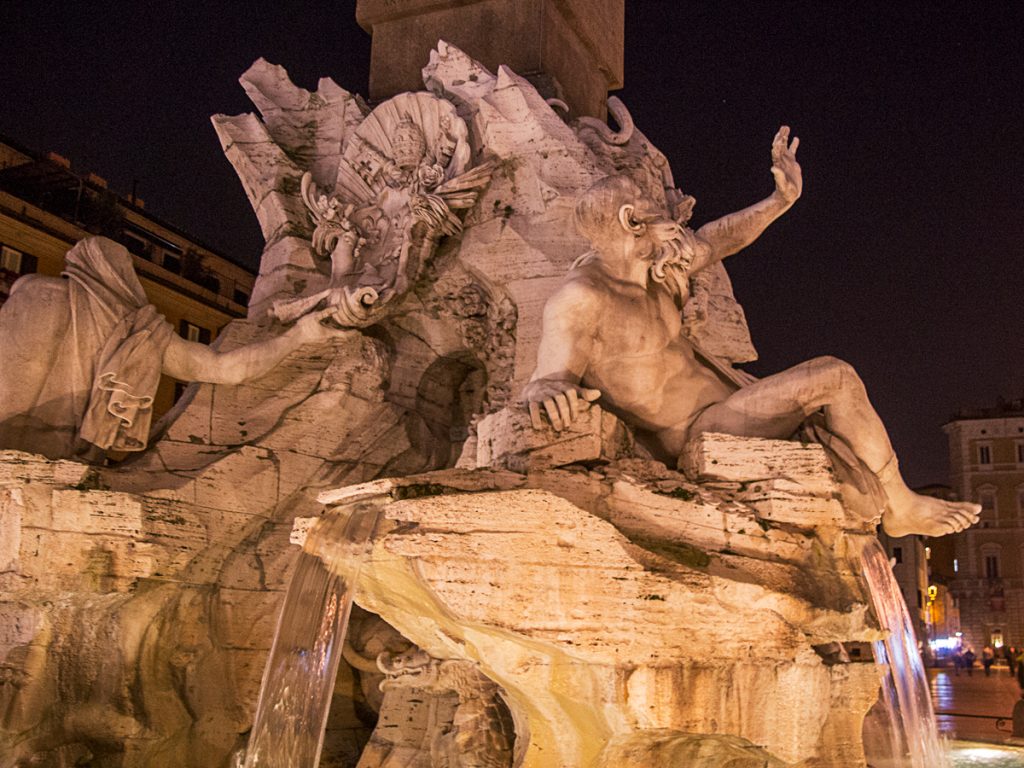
(944, 643)
(983, 752)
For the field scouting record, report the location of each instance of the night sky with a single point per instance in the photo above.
(904, 255)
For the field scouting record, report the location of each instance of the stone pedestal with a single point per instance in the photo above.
(572, 49)
(630, 615)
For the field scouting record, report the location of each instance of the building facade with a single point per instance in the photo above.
(986, 448)
(45, 208)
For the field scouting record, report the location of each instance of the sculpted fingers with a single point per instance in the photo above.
(574, 404)
(779, 143)
(535, 418)
(590, 395)
(794, 145)
(552, 411)
(564, 412)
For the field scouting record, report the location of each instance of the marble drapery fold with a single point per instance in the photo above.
(84, 356)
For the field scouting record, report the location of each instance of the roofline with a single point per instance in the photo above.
(127, 203)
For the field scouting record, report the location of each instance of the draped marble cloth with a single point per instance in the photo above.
(81, 356)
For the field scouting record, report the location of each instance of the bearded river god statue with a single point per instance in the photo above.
(614, 331)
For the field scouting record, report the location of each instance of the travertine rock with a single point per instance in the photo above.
(661, 607)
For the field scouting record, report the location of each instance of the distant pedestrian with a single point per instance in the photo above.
(1020, 669)
(969, 657)
(1011, 659)
(958, 661)
(988, 656)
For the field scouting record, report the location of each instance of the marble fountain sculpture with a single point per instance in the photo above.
(488, 384)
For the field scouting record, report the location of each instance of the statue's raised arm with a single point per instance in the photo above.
(734, 232)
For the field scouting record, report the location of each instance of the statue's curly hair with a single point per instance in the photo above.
(597, 209)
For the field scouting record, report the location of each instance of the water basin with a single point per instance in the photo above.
(971, 754)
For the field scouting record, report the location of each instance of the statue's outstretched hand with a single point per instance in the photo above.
(786, 170)
(562, 401)
(318, 326)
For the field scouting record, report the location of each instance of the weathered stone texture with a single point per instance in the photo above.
(659, 605)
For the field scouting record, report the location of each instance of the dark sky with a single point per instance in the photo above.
(904, 256)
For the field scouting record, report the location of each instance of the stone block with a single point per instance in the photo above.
(717, 457)
(508, 439)
(97, 512)
(18, 467)
(571, 48)
(245, 481)
(11, 505)
(783, 501)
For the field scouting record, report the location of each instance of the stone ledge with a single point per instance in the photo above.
(508, 440)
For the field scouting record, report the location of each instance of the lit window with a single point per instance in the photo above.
(984, 454)
(10, 260)
(956, 565)
(997, 638)
(927, 553)
(194, 333)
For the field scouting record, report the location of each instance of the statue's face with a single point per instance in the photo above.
(646, 224)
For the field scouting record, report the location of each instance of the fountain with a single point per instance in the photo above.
(551, 587)
(295, 695)
(914, 740)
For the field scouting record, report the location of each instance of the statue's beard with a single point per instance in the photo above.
(671, 266)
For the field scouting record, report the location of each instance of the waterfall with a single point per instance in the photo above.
(298, 681)
(914, 738)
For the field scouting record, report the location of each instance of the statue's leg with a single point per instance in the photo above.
(775, 406)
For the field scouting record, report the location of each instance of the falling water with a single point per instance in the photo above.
(298, 681)
(915, 741)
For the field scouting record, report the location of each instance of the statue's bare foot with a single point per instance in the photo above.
(911, 512)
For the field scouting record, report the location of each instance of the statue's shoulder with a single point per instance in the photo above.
(39, 284)
(584, 287)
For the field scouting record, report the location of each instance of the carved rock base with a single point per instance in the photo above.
(626, 611)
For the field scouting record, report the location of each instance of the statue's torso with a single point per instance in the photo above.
(641, 360)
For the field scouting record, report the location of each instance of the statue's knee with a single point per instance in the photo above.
(837, 375)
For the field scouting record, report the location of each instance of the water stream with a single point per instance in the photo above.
(298, 681)
(914, 737)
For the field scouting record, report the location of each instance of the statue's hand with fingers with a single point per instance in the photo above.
(561, 400)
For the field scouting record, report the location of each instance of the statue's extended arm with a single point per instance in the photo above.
(189, 361)
(565, 345)
(734, 232)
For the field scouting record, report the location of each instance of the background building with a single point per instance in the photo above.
(986, 562)
(45, 208)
